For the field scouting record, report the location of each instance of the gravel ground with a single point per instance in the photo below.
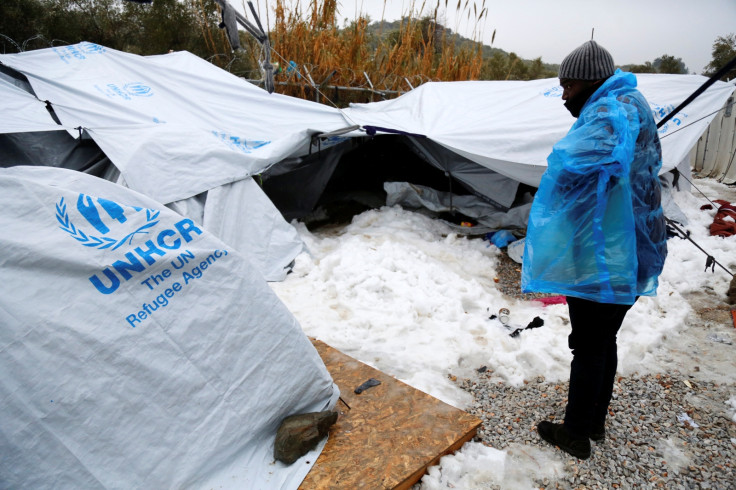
(646, 445)
(509, 278)
(664, 430)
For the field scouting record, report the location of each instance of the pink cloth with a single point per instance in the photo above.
(552, 300)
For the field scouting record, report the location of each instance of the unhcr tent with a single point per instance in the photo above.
(488, 141)
(23, 112)
(510, 126)
(137, 350)
(175, 127)
(204, 142)
(107, 365)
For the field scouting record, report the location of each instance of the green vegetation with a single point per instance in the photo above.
(386, 56)
(663, 64)
(497, 64)
(724, 50)
(309, 46)
(165, 25)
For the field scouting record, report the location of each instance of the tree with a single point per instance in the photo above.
(724, 50)
(165, 25)
(645, 68)
(505, 67)
(20, 23)
(171, 25)
(72, 21)
(537, 70)
(494, 68)
(663, 64)
(669, 64)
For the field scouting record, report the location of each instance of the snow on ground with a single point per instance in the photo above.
(403, 293)
(732, 407)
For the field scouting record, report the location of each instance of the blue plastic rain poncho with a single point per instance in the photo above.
(596, 229)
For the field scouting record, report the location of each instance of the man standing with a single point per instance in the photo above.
(596, 231)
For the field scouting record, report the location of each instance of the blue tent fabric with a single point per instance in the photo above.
(596, 228)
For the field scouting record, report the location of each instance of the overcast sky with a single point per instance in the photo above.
(634, 31)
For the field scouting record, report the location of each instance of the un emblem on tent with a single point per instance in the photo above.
(126, 91)
(138, 89)
(79, 51)
(105, 217)
(239, 143)
(659, 112)
(555, 91)
(91, 48)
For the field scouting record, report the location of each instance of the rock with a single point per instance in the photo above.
(299, 434)
(732, 291)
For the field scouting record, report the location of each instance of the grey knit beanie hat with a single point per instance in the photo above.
(587, 62)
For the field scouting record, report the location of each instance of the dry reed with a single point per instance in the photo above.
(312, 48)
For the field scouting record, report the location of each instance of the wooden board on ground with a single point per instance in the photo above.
(390, 434)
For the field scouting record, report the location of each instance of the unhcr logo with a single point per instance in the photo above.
(106, 225)
(79, 51)
(127, 91)
(660, 111)
(555, 91)
(104, 217)
(239, 143)
(91, 48)
(138, 90)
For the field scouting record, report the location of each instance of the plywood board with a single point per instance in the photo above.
(390, 434)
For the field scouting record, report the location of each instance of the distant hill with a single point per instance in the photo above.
(383, 29)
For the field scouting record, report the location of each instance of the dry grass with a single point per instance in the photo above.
(326, 53)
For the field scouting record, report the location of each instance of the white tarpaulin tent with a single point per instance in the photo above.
(176, 126)
(491, 136)
(511, 126)
(23, 112)
(191, 135)
(137, 350)
(152, 114)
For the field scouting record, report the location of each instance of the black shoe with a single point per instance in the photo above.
(598, 435)
(557, 435)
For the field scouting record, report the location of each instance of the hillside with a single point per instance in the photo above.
(382, 30)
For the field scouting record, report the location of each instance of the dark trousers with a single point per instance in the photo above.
(593, 367)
